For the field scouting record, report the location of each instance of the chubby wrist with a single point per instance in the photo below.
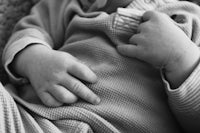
(179, 70)
(25, 59)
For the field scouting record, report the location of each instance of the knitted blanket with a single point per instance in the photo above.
(47, 118)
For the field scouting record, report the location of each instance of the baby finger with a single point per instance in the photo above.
(79, 89)
(62, 94)
(49, 100)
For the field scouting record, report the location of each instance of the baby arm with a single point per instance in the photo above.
(55, 76)
(164, 45)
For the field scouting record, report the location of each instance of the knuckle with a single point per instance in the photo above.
(76, 87)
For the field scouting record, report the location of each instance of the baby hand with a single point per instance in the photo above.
(162, 44)
(56, 75)
(158, 41)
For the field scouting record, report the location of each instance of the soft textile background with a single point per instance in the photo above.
(10, 12)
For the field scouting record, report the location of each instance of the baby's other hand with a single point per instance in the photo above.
(158, 41)
(162, 44)
(56, 75)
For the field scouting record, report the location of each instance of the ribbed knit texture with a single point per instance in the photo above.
(10, 119)
(134, 99)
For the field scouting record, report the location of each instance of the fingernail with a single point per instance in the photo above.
(97, 100)
(93, 76)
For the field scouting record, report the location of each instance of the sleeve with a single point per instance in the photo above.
(184, 101)
(45, 25)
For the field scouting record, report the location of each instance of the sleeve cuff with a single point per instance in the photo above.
(127, 19)
(12, 49)
(185, 98)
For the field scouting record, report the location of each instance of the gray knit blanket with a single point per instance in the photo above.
(11, 11)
